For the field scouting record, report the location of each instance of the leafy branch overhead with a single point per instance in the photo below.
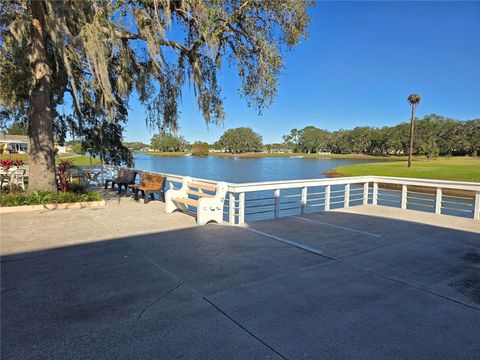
(101, 51)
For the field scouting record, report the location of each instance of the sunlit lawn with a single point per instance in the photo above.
(459, 169)
(77, 160)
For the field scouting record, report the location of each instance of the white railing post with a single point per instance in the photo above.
(365, 193)
(346, 200)
(438, 201)
(375, 193)
(327, 198)
(231, 208)
(304, 198)
(403, 202)
(476, 207)
(277, 200)
(241, 208)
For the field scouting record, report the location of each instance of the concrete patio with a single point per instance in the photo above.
(128, 282)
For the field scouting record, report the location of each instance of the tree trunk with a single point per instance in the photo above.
(410, 147)
(40, 129)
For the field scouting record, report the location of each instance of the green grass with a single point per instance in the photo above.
(47, 197)
(457, 169)
(78, 160)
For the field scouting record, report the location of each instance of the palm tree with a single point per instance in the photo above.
(413, 100)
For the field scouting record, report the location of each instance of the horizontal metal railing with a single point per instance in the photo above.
(325, 194)
(272, 199)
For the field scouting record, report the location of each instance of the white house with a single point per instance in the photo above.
(13, 143)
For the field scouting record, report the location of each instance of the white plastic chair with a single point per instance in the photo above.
(16, 178)
(108, 172)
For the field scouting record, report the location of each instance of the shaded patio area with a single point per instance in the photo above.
(127, 281)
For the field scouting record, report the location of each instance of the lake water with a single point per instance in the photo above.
(240, 170)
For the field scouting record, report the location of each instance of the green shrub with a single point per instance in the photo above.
(76, 188)
(47, 197)
(200, 149)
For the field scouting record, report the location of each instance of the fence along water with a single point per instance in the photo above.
(247, 202)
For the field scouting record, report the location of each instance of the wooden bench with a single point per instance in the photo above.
(125, 177)
(149, 184)
(207, 198)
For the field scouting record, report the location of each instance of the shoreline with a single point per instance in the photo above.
(283, 155)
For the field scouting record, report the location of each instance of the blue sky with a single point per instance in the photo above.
(357, 67)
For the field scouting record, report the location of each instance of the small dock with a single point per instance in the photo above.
(128, 281)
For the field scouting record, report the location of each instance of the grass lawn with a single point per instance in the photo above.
(459, 169)
(78, 160)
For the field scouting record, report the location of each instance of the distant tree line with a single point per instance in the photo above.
(135, 145)
(434, 135)
(17, 128)
(239, 140)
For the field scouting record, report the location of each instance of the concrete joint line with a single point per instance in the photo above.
(244, 328)
(427, 291)
(158, 299)
(288, 242)
(337, 226)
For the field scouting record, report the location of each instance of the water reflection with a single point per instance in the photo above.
(241, 170)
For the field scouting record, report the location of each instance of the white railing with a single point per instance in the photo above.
(268, 199)
(449, 197)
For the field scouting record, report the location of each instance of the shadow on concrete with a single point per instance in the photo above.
(113, 195)
(219, 292)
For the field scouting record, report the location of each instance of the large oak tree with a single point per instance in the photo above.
(98, 53)
(240, 140)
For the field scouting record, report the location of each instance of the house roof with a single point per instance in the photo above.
(4, 137)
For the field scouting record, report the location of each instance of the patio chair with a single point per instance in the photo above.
(14, 178)
(4, 180)
(107, 172)
(149, 185)
(111, 177)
